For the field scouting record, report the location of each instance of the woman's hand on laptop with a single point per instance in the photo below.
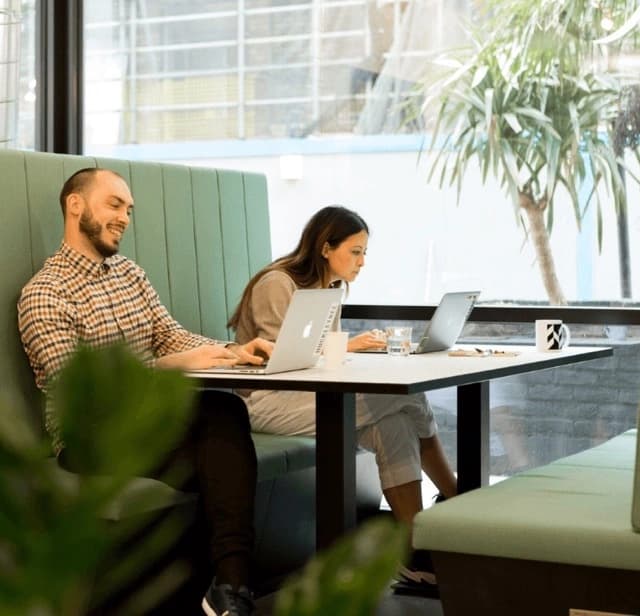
(373, 339)
(253, 352)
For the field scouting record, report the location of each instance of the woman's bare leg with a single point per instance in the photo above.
(405, 501)
(436, 466)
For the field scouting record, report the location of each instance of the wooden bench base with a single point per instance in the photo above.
(488, 586)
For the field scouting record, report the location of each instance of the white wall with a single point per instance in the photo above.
(422, 244)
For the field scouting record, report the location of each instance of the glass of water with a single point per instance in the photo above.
(398, 340)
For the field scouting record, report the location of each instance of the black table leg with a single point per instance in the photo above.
(335, 466)
(473, 436)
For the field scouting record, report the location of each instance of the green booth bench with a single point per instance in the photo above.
(200, 234)
(557, 540)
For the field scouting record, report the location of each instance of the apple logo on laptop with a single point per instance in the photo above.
(306, 332)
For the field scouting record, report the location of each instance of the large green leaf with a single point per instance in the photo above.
(479, 75)
(109, 401)
(512, 120)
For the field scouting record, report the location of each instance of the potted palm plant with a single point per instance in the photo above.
(532, 103)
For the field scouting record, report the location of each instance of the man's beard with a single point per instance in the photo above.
(92, 229)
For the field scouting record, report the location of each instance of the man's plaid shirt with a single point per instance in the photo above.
(73, 300)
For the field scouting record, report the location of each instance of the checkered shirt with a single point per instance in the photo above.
(73, 300)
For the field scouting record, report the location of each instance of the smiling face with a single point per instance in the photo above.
(98, 216)
(345, 260)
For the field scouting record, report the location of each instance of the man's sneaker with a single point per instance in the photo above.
(222, 600)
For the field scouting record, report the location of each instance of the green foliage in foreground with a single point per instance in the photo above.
(350, 578)
(118, 418)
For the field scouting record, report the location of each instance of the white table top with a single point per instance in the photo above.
(377, 373)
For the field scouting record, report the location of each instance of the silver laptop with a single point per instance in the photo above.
(445, 325)
(299, 344)
(447, 321)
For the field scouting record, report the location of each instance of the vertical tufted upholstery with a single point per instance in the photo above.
(199, 234)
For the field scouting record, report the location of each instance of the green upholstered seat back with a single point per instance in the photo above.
(199, 234)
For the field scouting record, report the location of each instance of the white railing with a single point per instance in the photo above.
(9, 70)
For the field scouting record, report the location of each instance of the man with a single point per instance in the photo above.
(88, 293)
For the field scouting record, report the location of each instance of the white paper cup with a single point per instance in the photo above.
(335, 349)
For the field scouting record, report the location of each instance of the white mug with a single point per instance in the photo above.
(551, 335)
(335, 349)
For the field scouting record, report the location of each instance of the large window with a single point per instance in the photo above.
(320, 95)
(230, 69)
(17, 74)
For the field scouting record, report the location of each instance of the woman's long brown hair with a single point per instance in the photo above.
(305, 264)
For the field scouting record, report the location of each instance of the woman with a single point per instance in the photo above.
(400, 430)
